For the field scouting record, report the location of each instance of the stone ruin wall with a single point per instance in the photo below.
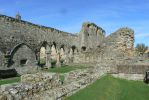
(132, 69)
(106, 52)
(90, 36)
(116, 50)
(13, 32)
(89, 46)
(112, 49)
(47, 86)
(121, 41)
(117, 47)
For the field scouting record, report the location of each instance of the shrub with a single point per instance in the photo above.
(141, 48)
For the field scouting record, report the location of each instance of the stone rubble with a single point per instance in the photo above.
(47, 86)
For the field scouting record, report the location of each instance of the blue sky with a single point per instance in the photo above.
(68, 15)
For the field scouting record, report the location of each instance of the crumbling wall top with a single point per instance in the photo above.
(14, 20)
(88, 24)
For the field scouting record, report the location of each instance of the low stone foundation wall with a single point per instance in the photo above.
(47, 86)
(129, 76)
(30, 85)
(132, 69)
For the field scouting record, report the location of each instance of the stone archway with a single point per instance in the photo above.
(42, 56)
(45, 55)
(62, 52)
(53, 51)
(23, 58)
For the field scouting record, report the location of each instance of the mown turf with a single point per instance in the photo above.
(65, 69)
(10, 80)
(110, 88)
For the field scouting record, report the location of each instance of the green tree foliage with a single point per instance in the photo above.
(141, 48)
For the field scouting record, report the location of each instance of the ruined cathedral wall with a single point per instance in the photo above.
(91, 35)
(121, 41)
(13, 32)
(112, 50)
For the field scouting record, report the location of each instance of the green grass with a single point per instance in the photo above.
(110, 88)
(65, 69)
(10, 80)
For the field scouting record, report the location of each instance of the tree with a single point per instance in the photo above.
(141, 48)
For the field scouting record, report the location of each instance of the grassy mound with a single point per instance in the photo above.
(110, 88)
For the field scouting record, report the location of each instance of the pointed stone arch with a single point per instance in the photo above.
(55, 45)
(62, 52)
(23, 51)
(23, 58)
(62, 46)
(42, 53)
(45, 54)
(54, 51)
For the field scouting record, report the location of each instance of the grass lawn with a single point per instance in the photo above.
(110, 88)
(65, 69)
(10, 80)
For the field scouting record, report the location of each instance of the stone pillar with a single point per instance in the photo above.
(58, 63)
(66, 56)
(48, 57)
(71, 56)
(48, 60)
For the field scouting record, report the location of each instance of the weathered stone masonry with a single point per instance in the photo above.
(47, 86)
(14, 31)
(25, 44)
